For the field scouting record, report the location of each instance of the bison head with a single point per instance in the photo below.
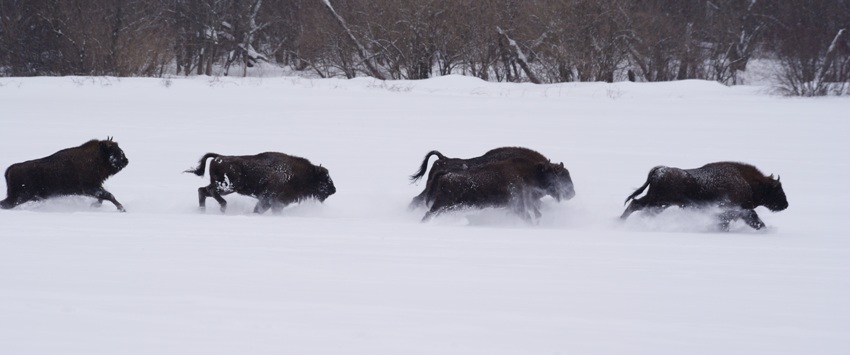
(324, 185)
(113, 155)
(772, 195)
(556, 180)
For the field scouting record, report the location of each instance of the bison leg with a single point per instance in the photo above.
(643, 204)
(262, 206)
(533, 215)
(536, 204)
(7, 203)
(13, 200)
(210, 191)
(435, 210)
(417, 201)
(101, 194)
(526, 214)
(752, 219)
(728, 217)
(433, 213)
(278, 207)
(202, 197)
(428, 215)
(749, 216)
(527, 209)
(422, 200)
(634, 206)
(97, 203)
(10, 202)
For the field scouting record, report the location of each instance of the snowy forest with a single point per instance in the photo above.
(539, 41)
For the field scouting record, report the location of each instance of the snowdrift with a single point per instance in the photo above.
(360, 275)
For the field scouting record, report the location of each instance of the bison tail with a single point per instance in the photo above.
(643, 187)
(202, 164)
(424, 167)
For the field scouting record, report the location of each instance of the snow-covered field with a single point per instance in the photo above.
(360, 274)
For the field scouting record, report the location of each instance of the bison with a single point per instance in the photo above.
(517, 184)
(72, 171)
(275, 179)
(444, 164)
(736, 188)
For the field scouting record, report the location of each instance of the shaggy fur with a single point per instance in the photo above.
(445, 165)
(73, 171)
(737, 188)
(275, 179)
(516, 184)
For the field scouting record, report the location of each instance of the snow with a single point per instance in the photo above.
(359, 274)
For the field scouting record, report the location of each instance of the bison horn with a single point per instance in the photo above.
(108, 139)
(778, 177)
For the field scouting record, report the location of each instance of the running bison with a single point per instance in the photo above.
(736, 188)
(73, 171)
(516, 184)
(275, 179)
(444, 165)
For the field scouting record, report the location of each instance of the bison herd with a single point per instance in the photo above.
(513, 178)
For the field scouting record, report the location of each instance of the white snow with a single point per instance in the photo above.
(360, 275)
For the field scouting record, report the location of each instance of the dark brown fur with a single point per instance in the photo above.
(444, 165)
(737, 188)
(517, 184)
(72, 171)
(275, 179)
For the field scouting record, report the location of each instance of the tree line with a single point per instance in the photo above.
(541, 41)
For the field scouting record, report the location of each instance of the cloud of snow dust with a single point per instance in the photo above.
(675, 219)
(66, 204)
(574, 214)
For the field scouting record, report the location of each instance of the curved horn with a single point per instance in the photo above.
(778, 177)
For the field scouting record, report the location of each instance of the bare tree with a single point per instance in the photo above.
(501, 40)
(241, 32)
(512, 49)
(820, 75)
(27, 46)
(584, 40)
(809, 39)
(361, 51)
